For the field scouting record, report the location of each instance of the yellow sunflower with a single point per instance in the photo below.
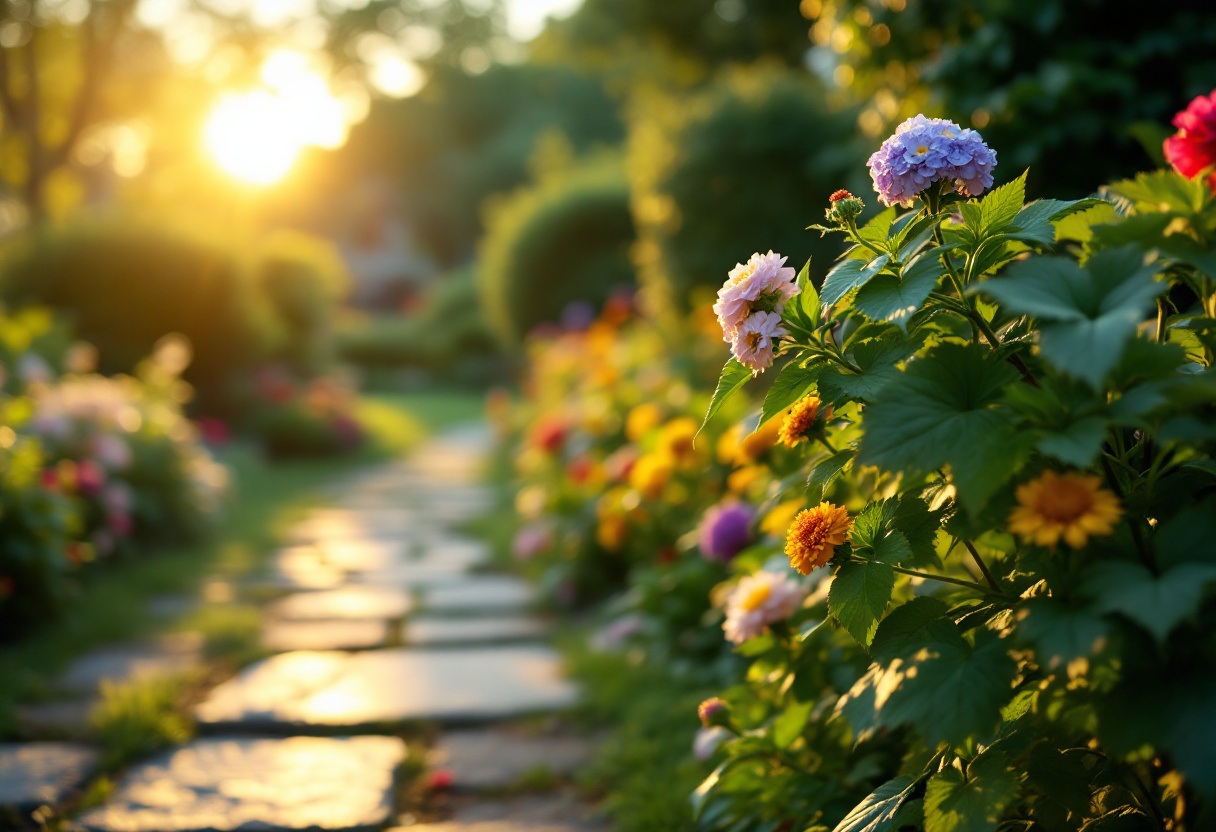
(1069, 506)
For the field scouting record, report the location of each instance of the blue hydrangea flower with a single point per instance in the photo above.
(927, 150)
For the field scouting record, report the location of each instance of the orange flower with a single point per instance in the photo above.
(1069, 506)
(814, 536)
(675, 439)
(798, 420)
(755, 444)
(650, 475)
(641, 419)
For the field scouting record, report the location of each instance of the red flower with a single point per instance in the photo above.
(440, 780)
(549, 434)
(213, 431)
(1193, 148)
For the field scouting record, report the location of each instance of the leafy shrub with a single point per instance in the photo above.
(305, 418)
(719, 175)
(123, 286)
(304, 280)
(564, 240)
(136, 717)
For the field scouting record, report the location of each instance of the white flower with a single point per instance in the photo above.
(756, 340)
(761, 282)
(758, 601)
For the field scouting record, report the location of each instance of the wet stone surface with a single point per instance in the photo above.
(532, 813)
(479, 595)
(353, 634)
(321, 690)
(298, 783)
(348, 602)
(32, 774)
(437, 630)
(171, 654)
(497, 758)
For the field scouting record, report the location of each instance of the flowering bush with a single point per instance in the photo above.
(978, 589)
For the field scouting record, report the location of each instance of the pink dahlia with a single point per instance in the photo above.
(763, 283)
(1192, 150)
(755, 340)
(760, 600)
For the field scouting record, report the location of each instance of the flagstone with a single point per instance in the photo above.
(347, 602)
(353, 634)
(320, 690)
(497, 758)
(425, 631)
(479, 594)
(170, 654)
(37, 773)
(224, 785)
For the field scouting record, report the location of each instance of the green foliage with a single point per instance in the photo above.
(123, 286)
(304, 280)
(721, 174)
(1069, 87)
(137, 717)
(562, 241)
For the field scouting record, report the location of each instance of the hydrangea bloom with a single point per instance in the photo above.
(1193, 148)
(763, 283)
(725, 531)
(927, 150)
(755, 340)
(760, 600)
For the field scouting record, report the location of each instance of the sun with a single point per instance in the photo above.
(256, 135)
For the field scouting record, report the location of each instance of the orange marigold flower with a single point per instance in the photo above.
(1070, 506)
(815, 534)
(798, 420)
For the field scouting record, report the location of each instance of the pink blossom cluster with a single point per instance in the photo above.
(749, 308)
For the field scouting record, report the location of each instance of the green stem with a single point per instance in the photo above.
(1146, 556)
(979, 561)
(1161, 318)
(823, 440)
(855, 236)
(945, 579)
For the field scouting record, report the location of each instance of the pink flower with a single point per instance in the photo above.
(90, 477)
(1192, 149)
(707, 741)
(758, 601)
(761, 284)
(756, 340)
(440, 780)
(111, 451)
(531, 540)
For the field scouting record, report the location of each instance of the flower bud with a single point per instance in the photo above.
(714, 712)
(844, 207)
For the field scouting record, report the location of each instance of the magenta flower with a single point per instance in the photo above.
(1192, 150)
(725, 531)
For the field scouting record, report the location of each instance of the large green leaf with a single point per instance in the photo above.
(876, 357)
(791, 384)
(971, 802)
(1060, 633)
(788, 726)
(911, 626)
(859, 594)
(943, 410)
(1157, 603)
(1086, 315)
(848, 275)
(949, 691)
(877, 812)
(734, 376)
(1036, 222)
(824, 472)
(1078, 444)
(897, 299)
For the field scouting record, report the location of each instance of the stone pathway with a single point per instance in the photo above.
(381, 620)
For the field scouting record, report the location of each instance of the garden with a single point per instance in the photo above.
(848, 363)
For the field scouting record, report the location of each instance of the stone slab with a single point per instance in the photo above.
(170, 654)
(348, 602)
(38, 773)
(305, 568)
(58, 719)
(438, 630)
(479, 595)
(327, 690)
(497, 758)
(530, 813)
(353, 634)
(224, 785)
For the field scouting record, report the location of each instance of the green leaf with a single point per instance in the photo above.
(948, 690)
(1156, 603)
(877, 812)
(1059, 632)
(1000, 207)
(919, 525)
(974, 802)
(1061, 777)
(1036, 222)
(859, 594)
(897, 299)
(808, 298)
(876, 357)
(872, 537)
(848, 275)
(824, 472)
(788, 727)
(790, 385)
(911, 626)
(1086, 316)
(1149, 191)
(943, 410)
(734, 376)
(1078, 444)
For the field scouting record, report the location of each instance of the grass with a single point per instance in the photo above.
(112, 604)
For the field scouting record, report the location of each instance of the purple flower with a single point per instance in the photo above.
(725, 531)
(927, 150)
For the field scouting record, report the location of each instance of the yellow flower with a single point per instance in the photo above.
(728, 443)
(798, 420)
(611, 530)
(814, 536)
(650, 475)
(641, 420)
(779, 519)
(675, 440)
(741, 480)
(1069, 506)
(754, 445)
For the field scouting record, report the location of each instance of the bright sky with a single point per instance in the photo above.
(525, 18)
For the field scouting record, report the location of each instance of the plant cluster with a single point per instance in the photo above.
(91, 467)
(968, 578)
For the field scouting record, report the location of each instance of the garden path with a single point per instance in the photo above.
(384, 623)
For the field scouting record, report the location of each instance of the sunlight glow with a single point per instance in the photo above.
(257, 135)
